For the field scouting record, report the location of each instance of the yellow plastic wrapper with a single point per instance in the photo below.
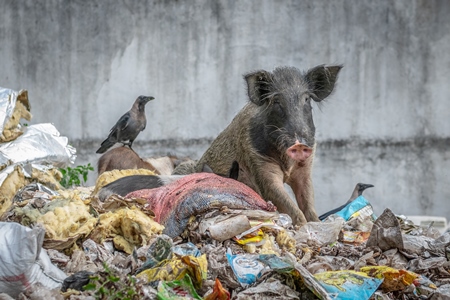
(110, 176)
(198, 268)
(177, 268)
(394, 280)
(167, 270)
(254, 237)
(134, 226)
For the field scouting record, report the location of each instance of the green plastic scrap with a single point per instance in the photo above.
(177, 289)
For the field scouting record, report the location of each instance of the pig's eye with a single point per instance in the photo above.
(277, 106)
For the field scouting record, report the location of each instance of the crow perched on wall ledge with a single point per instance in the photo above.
(129, 125)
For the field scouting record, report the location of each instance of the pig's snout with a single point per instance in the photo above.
(299, 152)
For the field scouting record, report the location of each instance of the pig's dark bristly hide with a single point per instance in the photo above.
(128, 184)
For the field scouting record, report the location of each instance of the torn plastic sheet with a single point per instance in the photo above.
(386, 233)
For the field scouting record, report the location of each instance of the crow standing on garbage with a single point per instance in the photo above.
(359, 189)
(129, 125)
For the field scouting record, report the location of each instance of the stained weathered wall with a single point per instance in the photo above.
(84, 62)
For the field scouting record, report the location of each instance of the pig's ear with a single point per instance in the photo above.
(258, 86)
(321, 81)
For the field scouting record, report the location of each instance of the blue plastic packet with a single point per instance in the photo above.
(246, 267)
(358, 207)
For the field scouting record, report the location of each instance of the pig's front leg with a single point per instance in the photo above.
(300, 182)
(269, 180)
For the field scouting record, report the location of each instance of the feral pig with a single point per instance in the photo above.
(122, 158)
(272, 138)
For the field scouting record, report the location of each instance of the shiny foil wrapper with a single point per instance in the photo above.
(8, 100)
(40, 146)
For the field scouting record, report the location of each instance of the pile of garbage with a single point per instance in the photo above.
(200, 237)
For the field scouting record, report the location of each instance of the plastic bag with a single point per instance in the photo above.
(23, 262)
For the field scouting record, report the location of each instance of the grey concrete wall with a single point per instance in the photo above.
(84, 63)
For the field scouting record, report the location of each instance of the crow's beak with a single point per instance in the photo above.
(363, 186)
(147, 99)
